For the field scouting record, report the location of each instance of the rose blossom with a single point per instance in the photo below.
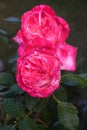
(38, 74)
(42, 22)
(37, 44)
(43, 51)
(64, 52)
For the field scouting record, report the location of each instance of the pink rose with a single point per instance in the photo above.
(37, 44)
(64, 52)
(42, 22)
(38, 74)
(43, 51)
(67, 56)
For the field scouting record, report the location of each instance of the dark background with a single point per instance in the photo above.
(75, 13)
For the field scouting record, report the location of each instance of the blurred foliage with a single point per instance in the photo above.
(19, 111)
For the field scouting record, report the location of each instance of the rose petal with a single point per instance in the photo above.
(38, 74)
(64, 29)
(45, 8)
(19, 37)
(38, 23)
(67, 55)
(21, 50)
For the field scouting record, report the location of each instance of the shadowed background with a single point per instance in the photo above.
(73, 11)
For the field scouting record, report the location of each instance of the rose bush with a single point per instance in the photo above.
(40, 60)
(43, 51)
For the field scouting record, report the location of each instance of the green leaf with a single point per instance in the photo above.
(61, 94)
(6, 78)
(2, 87)
(12, 19)
(30, 102)
(14, 67)
(15, 89)
(39, 106)
(13, 58)
(47, 116)
(7, 127)
(58, 126)
(3, 32)
(84, 75)
(28, 124)
(41, 127)
(4, 38)
(4, 93)
(67, 114)
(4, 90)
(13, 108)
(74, 80)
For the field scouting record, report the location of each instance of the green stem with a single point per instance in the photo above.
(40, 121)
(28, 115)
(21, 120)
(55, 99)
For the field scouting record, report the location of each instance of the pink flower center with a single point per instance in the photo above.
(38, 70)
